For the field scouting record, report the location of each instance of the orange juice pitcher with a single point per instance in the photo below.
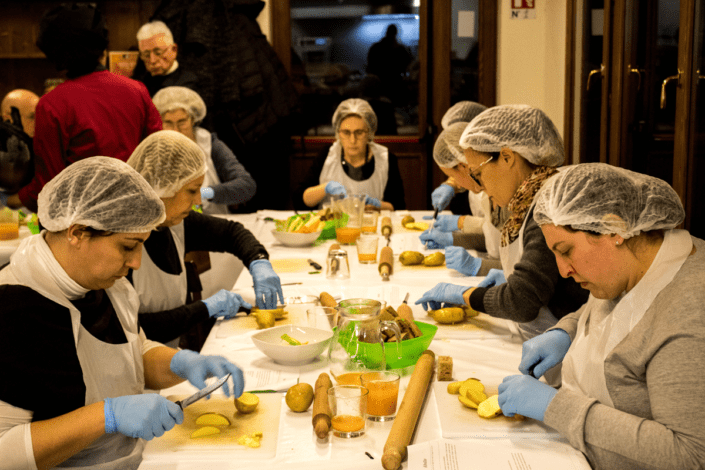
(349, 223)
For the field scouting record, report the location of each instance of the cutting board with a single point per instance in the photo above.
(460, 422)
(265, 419)
(291, 265)
(243, 323)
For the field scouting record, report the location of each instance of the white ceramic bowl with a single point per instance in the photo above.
(296, 239)
(270, 343)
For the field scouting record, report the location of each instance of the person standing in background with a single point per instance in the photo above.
(26, 103)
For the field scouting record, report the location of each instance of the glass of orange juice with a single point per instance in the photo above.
(382, 399)
(9, 224)
(348, 406)
(349, 224)
(369, 221)
(367, 248)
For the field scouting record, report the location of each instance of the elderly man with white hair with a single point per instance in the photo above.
(26, 103)
(158, 53)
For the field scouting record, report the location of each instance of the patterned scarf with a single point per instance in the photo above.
(520, 203)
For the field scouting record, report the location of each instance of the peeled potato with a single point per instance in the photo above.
(247, 403)
(467, 402)
(205, 431)
(470, 384)
(454, 387)
(490, 407)
(477, 396)
(212, 419)
(264, 318)
(420, 226)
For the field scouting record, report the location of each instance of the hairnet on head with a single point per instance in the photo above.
(73, 36)
(521, 128)
(355, 107)
(447, 151)
(103, 193)
(606, 199)
(168, 160)
(173, 98)
(462, 111)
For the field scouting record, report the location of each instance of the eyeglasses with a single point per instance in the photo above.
(359, 134)
(144, 55)
(476, 179)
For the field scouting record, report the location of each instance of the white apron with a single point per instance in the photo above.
(492, 234)
(373, 186)
(612, 320)
(509, 256)
(109, 370)
(204, 140)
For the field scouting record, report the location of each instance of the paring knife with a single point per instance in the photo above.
(433, 222)
(314, 264)
(204, 392)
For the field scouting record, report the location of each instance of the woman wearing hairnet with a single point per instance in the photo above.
(75, 397)
(354, 164)
(633, 376)
(510, 152)
(174, 165)
(457, 232)
(227, 182)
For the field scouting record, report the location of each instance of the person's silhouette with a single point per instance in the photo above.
(388, 59)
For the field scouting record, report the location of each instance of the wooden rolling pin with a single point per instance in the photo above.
(386, 262)
(321, 408)
(386, 228)
(408, 413)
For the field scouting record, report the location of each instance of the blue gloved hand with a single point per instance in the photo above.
(459, 259)
(436, 239)
(196, 368)
(544, 351)
(207, 193)
(333, 188)
(3, 198)
(441, 196)
(146, 416)
(494, 278)
(225, 304)
(445, 222)
(443, 292)
(373, 201)
(267, 284)
(525, 395)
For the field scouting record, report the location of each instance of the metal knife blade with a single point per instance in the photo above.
(314, 264)
(204, 392)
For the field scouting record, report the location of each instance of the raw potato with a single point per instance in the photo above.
(247, 403)
(454, 387)
(471, 384)
(264, 318)
(252, 440)
(205, 431)
(475, 395)
(467, 402)
(279, 313)
(409, 258)
(490, 407)
(470, 312)
(407, 220)
(420, 226)
(299, 397)
(434, 259)
(212, 419)
(448, 315)
(327, 300)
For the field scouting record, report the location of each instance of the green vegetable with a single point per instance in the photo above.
(290, 340)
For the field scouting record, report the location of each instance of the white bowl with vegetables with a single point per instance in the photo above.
(292, 345)
(299, 230)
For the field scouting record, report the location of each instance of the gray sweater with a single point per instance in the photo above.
(656, 379)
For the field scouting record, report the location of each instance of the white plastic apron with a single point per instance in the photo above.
(204, 140)
(509, 256)
(610, 323)
(492, 234)
(372, 186)
(109, 370)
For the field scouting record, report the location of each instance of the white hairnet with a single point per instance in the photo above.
(355, 107)
(521, 128)
(103, 193)
(606, 199)
(168, 160)
(462, 111)
(447, 151)
(173, 98)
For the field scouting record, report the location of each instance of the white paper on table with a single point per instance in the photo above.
(263, 379)
(504, 454)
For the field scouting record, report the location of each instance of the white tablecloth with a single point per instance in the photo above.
(483, 348)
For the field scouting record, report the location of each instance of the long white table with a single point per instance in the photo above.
(483, 348)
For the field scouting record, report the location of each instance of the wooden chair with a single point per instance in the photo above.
(197, 262)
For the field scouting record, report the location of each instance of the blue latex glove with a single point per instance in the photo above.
(441, 196)
(207, 193)
(444, 222)
(196, 368)
(494, 278)
(373, 201)
(459, 259)
(436, 239)
(544, 351)
(525, 395)
(225, 304)
(3, 198)
(146, 416)
(443, 292)
(333, 188)
(267, 284)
